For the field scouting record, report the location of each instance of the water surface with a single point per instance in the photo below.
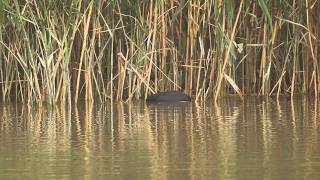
(250, 139)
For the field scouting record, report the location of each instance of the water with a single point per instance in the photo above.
(251, 139)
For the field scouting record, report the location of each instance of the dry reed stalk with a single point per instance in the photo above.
(141, 77)
(314, 80)
(122, 68)
(227, 53)
(314, 59)
(153, 33)
(198, 90)
(263, 67)
(278, 84)
(89, 73)
(234, 85)
(163, 38)
(86, 24)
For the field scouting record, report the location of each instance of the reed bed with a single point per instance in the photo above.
(58, 51)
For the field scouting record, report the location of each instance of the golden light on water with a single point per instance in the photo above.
(251, 138)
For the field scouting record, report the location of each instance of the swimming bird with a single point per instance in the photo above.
(169, 96)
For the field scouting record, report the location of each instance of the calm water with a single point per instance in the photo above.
(251, 139)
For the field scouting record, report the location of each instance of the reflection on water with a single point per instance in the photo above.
(250, 139)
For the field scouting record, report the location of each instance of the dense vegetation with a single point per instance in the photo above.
(59, 50)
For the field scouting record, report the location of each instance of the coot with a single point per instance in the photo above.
(169, 96)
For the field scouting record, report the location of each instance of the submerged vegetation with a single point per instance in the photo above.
(57, 50)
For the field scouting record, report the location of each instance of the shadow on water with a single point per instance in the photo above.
(250, 139)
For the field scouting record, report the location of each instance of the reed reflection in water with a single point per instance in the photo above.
(250, 139)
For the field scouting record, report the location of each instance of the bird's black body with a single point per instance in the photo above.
(169, 96)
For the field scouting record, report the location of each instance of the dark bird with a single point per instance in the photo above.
(168, 96)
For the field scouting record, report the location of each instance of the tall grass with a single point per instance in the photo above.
(62, 50)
